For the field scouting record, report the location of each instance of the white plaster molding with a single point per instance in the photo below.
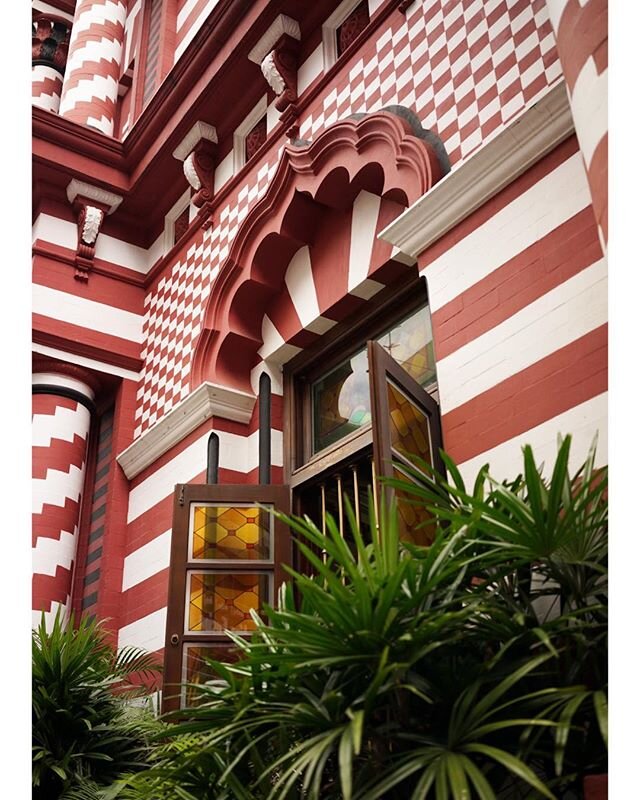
(190, 173)
(201, 130)
(172, 215)
(92, 222)
(79, 188)
(514, 149)
(240, 133)
(208, 400)
(271, 74)
(280, 26)
(329, 28)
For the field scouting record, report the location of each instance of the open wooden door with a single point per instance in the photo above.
(226, 560)
(406, 423)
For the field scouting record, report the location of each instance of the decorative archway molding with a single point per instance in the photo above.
(386, 153)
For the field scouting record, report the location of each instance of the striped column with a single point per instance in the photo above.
(90, 90)
(582, 42)
(62, 407)
(49, 46)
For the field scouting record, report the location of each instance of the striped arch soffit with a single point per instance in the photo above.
(307, 256)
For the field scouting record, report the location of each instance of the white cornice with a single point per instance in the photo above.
(79, 188)
(281, 24)
(530, 136)
(201, 130)
(208, 400)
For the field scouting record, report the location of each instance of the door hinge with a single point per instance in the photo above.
(181, 495)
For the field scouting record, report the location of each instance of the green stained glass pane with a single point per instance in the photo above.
(231, 532)
(341, 402)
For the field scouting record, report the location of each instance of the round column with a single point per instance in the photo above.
(90, 89)
(582, 42)
(62, 409)
(49, 47)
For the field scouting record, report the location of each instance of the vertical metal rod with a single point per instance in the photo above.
(356, 497)
(213, 457)
(374, 490)
(339, 479)
(323, 501)
(264, 435)
(324, 509)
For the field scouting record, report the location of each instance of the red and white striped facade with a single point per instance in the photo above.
(175, 333)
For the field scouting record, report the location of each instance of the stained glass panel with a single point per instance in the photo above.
(410, 344)
(415, 523)
(219, 602)
(341, 401)
(231, 532)
(409, 426)
(196, 668)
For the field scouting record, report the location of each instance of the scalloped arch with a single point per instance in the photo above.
(386, 153)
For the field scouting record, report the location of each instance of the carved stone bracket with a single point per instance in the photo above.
(197, 151)
(91, 205)
(277, 55)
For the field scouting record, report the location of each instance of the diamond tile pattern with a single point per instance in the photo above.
(464, 66)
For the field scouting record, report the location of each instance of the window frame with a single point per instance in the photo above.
(330, 30)
(392, 305)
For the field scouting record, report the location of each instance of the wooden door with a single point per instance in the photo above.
(227, 552)
(406, 424)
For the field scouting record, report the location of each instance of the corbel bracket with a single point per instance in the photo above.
(277, 54)
(197, 151)
(91, 205)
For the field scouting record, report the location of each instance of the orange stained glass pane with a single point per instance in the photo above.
(224, 532)
(197, 669)
(219, 602)
(409, 428)
(415, 523)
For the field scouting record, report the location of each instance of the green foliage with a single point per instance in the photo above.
(473, 668)
(85, 730)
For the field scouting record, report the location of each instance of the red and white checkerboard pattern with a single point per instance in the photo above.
(466, 68)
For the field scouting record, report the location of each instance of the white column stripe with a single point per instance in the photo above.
(536, 212)
(101, 87)
(582, 422)
(56, 488)
(98, 14)
(556, 319)
(63, 425)
(589, 105)
(104, 49)
(49, 554)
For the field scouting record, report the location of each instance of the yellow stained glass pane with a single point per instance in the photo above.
(231, 532)
(410, 344)
(218, 602)
(415, 523)
(409, 428)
